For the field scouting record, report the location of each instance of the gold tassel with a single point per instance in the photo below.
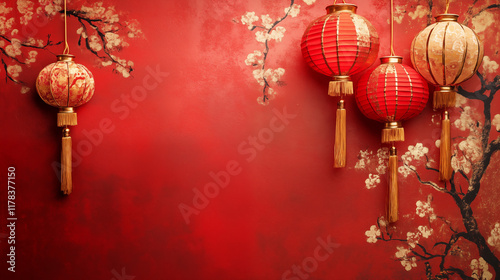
(66, 182)
(445, 97)
(340, 136)
(341, 85)
(392, 209)
(392, 132)
(445, 149)
(66, 116)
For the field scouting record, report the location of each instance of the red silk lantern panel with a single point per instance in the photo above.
(65, 83)
(341, 43)
(393, 92)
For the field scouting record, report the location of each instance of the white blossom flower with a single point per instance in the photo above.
(31, 57)
(258, 75)
(372, 234)
(25, 89)
(274, 75)
(413, 238)
(489, 66)
(496, 122)
(14, 70)
(480, 269)
(249, 18)
(309, 2)
(267, 21)
(372, 181)
(466, 121)
(407, 262)
(363, 159)
(293, 11)
(25, 8)
(277, 34)
(253, 58)
(494, 239)
(261, 36)
(425, 231)
(425, 209)
(95, 43)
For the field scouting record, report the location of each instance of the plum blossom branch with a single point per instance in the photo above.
(267, 31)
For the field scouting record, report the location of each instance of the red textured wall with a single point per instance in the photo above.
(181, 173)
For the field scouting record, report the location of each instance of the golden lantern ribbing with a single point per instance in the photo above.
(446, 53)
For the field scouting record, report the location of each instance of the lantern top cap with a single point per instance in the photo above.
(65, 57)
(341, 7)
(447, 17)
(391, 59)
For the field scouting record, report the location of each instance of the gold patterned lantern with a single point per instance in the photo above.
(65, 84)
(446, 53)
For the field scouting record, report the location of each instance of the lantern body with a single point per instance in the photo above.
(341, 43)
(393, 92)
(65, 83)
(446, 53)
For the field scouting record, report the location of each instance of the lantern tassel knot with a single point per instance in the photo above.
(341, 85)
(340, 136)
(445, 97)
(392, 207)
(66, 181)
(445, 169)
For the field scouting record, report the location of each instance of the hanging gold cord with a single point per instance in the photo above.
(66, 46)
(447, 6)
(392, 27)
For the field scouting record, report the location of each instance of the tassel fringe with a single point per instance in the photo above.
(444, 98)
(65, 119)
(393, 134)
(338, 88)
(392, 209)
(445, 169)
(340, 137)
(66, 181)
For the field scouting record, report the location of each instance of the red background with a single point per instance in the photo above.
(124, 211)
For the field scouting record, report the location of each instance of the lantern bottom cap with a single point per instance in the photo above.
(393, 133)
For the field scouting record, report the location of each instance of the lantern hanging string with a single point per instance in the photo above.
(66, 46)
(392, 27)
(447, 6)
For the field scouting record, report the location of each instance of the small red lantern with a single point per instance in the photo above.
(338, 45)
(65, 84)
(392, 93)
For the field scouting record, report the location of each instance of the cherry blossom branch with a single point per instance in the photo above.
(266, 51)
(92, 22)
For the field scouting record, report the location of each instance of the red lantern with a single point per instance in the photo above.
(338, 45)
(446, 53)
(65, 84)
(392, 93)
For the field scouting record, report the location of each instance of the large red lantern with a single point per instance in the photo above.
(392, 93)
(65, 84)
(446, 53)
(338, 45)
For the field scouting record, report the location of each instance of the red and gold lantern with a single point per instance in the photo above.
(392, 93)
(338, 45)
(65, 84)
(446, 53)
